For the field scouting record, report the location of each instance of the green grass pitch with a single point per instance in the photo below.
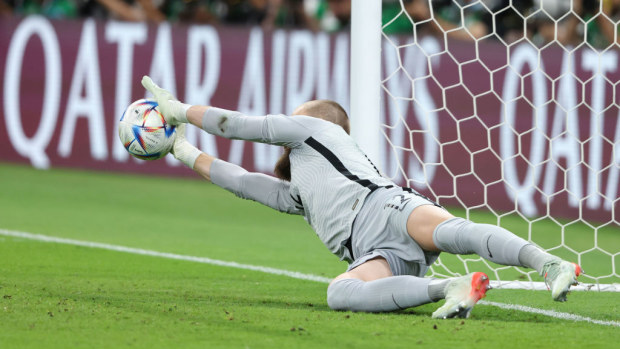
(62, 296)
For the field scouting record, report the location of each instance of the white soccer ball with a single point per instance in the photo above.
(144, 132)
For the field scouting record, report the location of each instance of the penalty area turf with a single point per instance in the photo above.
(62, 296)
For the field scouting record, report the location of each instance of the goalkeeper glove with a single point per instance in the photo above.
(183, 150)
(173, 111)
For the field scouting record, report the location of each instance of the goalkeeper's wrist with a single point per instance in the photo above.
(186, 153)
(180, 111)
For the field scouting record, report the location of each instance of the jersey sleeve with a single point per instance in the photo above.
(289, 131)
(267, 190)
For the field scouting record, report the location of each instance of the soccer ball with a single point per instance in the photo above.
(144, 132)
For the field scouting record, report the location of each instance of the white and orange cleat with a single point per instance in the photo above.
(462, 294)
(559, 277)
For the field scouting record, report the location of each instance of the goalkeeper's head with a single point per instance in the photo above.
(322, 109)
(327, 110)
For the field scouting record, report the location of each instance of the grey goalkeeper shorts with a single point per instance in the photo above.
(380, 230)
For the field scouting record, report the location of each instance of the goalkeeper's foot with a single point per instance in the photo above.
(559, 276)
(462, 294)
(173, 111)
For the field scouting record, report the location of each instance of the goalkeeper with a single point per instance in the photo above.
(389, 235)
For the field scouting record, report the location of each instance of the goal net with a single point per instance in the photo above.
(506, 112)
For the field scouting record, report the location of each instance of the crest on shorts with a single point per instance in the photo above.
(398, 202)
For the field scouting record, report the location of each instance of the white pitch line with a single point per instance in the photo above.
(117, 248)
(292, 274)
(551, 313)
(541, 286)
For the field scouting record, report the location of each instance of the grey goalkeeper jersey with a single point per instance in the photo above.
(330, 175)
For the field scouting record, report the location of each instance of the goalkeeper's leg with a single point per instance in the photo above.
(372, 288)
(436, 230)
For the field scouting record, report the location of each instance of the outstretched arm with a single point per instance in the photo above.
(202, 166)
(194, 114)
(259, 187)
(282, 130)
(267, 190)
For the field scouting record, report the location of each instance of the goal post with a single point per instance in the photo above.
(514, 126)
(366, 76)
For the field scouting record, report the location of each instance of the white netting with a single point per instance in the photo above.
(508, 114)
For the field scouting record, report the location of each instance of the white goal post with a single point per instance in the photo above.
(518, 127)
(366, 76)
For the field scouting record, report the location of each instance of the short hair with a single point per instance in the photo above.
(327, 110)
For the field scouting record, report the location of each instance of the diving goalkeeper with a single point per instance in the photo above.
(388, 234)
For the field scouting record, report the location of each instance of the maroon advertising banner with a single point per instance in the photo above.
(510, 128)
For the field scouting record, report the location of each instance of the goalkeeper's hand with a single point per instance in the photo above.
(183, 150)
(173, 111)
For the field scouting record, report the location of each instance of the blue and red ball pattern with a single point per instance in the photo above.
(144, 131)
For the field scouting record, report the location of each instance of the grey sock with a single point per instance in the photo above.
(437, 289)
(460, 236)
(387, 294)
(532, 256)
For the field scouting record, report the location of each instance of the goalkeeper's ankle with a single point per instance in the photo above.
(437, 289)
(534, 257)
